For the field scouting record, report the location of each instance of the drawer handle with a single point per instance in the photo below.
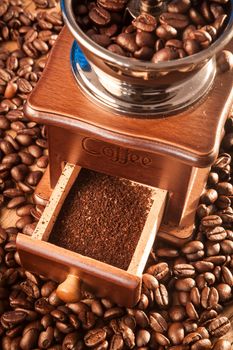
(70, 290)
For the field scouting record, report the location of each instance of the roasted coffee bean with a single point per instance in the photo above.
(191, 311)
(179, 6)
(127, 41)
(216, 234)
(112, 5)
(22, 222)
(145, 22)
(176, 20)
(24, 140)
(16, 202)
(48, 288)
(202, 344)
(160, 270)
(13, 192)
(43, 307)
(19, 172)
(176, 333)
(161, 295)
(211, 221)
(177, 313)
(145, 39)
(192, 247)
(14, 317)
(116, 49)
(227, 276)
(219, 326)
(29, 339)
(94, 337)
(99, 16)
(150, 281)
(26, 158)
(184, 284)
(184, 270)
(46, 338)
(222, 344)
(161, 339)
(224, 291)
(157, 322)
(34, 177)
(166, 54)
(165, 32)
(209, 297)
(101, 39)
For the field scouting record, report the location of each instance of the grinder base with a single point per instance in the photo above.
(173, 153)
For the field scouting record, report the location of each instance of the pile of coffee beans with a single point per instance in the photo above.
(186, 28)
(184, 290)
(101, 214)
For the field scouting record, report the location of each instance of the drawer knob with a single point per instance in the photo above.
(69, 291)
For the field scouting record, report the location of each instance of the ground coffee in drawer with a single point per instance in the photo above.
(102, 218)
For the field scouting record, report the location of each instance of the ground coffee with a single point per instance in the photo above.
(102, 218)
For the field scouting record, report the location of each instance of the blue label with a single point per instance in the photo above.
(80, 58)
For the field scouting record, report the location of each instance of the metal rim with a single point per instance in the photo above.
(104, 54)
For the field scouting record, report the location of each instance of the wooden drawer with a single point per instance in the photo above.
(72, 269)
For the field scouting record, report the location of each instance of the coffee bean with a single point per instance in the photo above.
(219, 326)
(160, 270)
(22, 222)
(184, 284)
(224, 291)
(14, 317)
(116, 49)
(24, 187)
(145, 39)
(43, 307)
(222, 344)
(209, 297)
(19, 172)
(29, 339)
(176, 20)
(70, 341)
(166, 32)
(127, 41)
(216, 234)
(166, 54)
(150, 281)
(6, 147)
(24, 140)
(192, 247)
(48, 288)
(176, 333)
(101, 39)
(13, 192)
(203, 266)
(211, 221)
(34, 177)
(157, 322)
(179, 6)
(145, 22)
(46, 338)
(94, 337)
(99, 16)
(161, 295)
(184, 270)
(16, 202)
(26, 158)
(202, 344)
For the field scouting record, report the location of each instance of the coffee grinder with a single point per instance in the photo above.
(157, 124)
